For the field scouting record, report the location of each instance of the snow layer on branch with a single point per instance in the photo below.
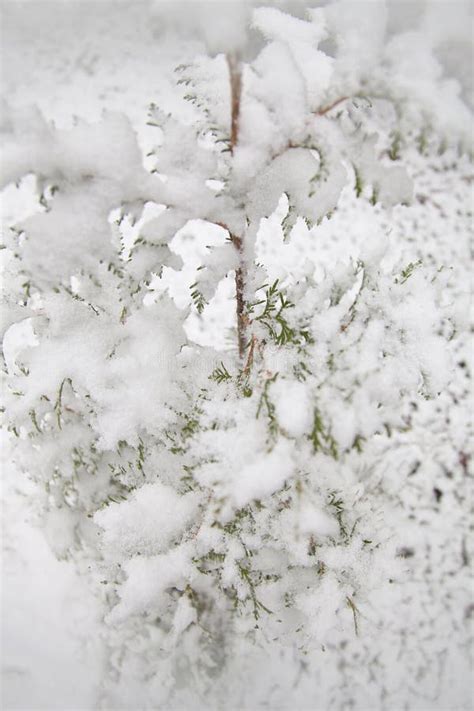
(274, 101)
(181, 149)
(147, 523)
(217, 264)
(316, 521)
(139, 380)
(125, 367)
(293, 405)
(302, 39)
(89, 169)
(107, 149)
(262, 477)
(297, 173)
(148, 579)
(52, 250)
(238, 480)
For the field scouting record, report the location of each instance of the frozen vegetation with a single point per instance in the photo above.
(236, 365)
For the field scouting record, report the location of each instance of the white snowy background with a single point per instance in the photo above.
(78, 58)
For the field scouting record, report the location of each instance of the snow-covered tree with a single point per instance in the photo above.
(229, 498)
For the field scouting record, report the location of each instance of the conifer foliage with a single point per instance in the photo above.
(224, 497)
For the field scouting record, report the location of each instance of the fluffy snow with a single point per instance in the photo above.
(148, 522)
(148, 579)
(263, 476)
(293, 407)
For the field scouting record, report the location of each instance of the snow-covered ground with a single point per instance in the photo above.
(76, 59)
(51, 655)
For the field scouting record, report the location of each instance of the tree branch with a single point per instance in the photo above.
(235, 78)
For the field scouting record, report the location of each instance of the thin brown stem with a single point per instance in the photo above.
(249, 361)
(239, 297)
(235, 78)
(326, 109)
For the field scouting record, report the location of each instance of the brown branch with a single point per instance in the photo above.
(235, 78)
(249, 361)
(239, 297)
